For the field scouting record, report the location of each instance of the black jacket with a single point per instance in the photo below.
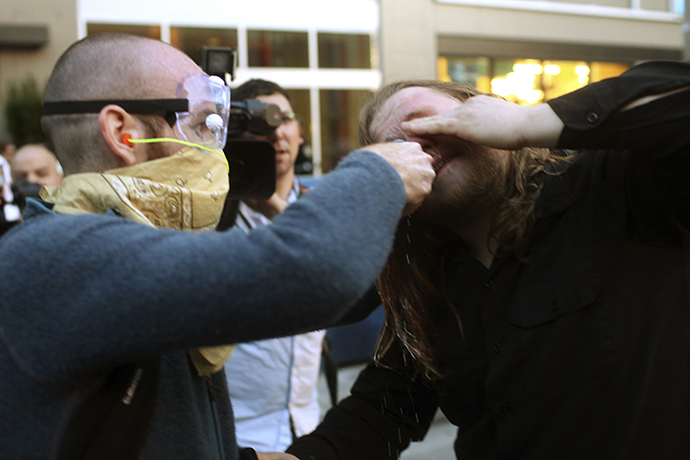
(582, 351)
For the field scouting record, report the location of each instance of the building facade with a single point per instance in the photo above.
(330, 54)
(526, 50)
(33, 35)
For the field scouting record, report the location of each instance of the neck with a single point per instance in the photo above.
(284, 184)
(475, 232)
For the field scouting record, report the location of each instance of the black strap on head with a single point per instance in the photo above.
(164, 107)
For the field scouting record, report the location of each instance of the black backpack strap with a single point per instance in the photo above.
(113, 422)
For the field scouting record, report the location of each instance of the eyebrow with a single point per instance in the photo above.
(419, 113)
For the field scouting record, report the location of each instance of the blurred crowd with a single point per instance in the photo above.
(24, 171)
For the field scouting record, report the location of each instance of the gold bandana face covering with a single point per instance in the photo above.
(185, 191)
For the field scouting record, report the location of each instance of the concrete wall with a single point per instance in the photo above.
(59, 17)
(407, 39)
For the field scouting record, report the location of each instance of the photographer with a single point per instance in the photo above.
(9, 212)
(114, 324)
(272, 382)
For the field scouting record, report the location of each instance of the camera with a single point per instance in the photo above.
(23, 189)
(252, 162)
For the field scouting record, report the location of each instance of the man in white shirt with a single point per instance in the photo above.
(273, 382)
(9, 212)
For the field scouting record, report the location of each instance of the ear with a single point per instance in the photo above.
(115, 124)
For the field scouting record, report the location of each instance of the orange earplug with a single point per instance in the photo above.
(127, 139)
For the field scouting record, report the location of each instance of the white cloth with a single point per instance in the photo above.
(11, 211)
(273, 382)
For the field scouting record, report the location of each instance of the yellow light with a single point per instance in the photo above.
(531, 96)
(582, 71)
(517, 84)
(500, 86)
(531, 69)
(552, 69)
(443, 69)
(521, 80)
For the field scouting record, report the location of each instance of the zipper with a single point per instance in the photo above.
(132, 388)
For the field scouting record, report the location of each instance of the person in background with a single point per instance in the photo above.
(272, 382)
(35, 164)
(538, 297)
(7, 150)
(10, 214)
(118, 299)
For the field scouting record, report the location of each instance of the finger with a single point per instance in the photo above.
(437, 124)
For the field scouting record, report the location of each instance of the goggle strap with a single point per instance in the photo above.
(168, 107)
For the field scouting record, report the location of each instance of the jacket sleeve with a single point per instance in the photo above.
(85, 293)
(385, 412)
(652, 142)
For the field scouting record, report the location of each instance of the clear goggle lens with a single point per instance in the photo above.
(206, 122)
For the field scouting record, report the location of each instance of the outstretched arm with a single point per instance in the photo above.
(493, 122)
(501, 124)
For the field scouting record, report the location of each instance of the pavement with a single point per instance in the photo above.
(438, 444)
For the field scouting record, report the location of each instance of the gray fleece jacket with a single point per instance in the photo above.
(83, 294)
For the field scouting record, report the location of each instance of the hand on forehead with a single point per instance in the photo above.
(407, 104)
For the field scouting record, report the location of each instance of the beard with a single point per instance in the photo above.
(470, 186)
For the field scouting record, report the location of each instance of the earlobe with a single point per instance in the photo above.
(118, 127)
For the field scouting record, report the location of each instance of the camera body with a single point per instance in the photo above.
(23, 189)
(252, 162)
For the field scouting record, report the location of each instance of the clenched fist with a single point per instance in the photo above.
(414, 167)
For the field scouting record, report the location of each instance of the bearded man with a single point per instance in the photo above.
(539, 298)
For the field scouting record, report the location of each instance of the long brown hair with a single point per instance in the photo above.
(409, 284)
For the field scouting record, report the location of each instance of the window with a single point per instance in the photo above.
(144, 31)
(339, 124)
(191, 40)
(526, 81)
(344, 51)
(277, 49)
(473, 71)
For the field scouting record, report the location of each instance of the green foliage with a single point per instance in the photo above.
(23, 108)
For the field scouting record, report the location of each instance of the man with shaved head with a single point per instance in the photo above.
(114, 324)
(35, 164)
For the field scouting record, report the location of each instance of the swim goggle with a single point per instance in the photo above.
(200, 111)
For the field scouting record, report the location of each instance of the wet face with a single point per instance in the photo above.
(286, 139)
(36, 165)
(469, 177)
